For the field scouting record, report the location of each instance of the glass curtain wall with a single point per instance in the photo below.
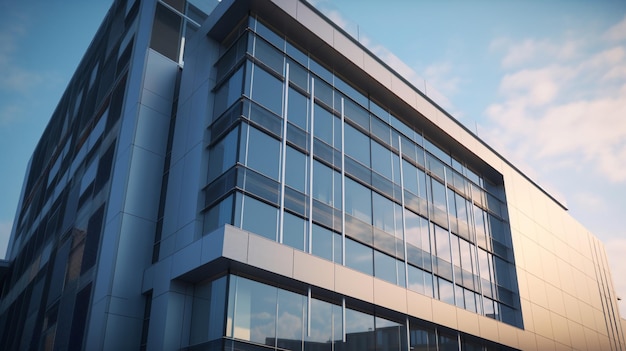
(299, 156)
(233, 312)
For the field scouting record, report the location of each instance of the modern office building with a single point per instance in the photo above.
(244, 175)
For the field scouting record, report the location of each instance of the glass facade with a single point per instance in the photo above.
(230, 191)
(234, 312)
(301, 157)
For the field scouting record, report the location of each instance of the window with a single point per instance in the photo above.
(269, 55)
(263, 153)
(359, 257)
(357, 145)
(229, 92)
(420, 281)
(296, 170)
(254, 311)
(358, 201)
(259, 217)
(385, 267)
(166, 32)
(323, 125)
(267, 90)
(223, 154)
(322, 183)
(294, 231)
(298, 109)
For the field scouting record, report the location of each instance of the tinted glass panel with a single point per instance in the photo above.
(298, 109)
(267, 90)
(294, 231)
(357, 145)
(359, 257)
(358, 201)
(263, 153)
(259, 218)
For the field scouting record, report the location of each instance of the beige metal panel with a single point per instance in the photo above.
(566, 275)
(522, 281)
(556, 299)
(419, 306)
(269, 255)
(508, 334)
(467, 322)
(550, 266)
(377, 71)
(560, 329)
(587, 315)
(592, 338)
(532, 257)
(314, 23)
(527, 315)
(444, 314)
(348, 48)
(390, 296)
(545, 344)
(577, 335)
(543, 323)
(313, 270)
(488, 328)
(537, 290)
(572, 308)
(353, 283)
(527, 340)
(406, 93)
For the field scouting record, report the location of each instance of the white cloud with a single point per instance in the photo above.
(563, 112)
(529, 51)
(616, 32)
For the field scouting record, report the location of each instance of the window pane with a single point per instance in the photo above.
(294, 229)
(381, 160)
(446, 291)
(323, 122)
(359, 257)
(166, 32)
(409, 173)
(218, 215)
(290, 319)
(321, 328)
(357, 145)
(267, 90)
(322, 242)
(420, 281)
(322, 183)
(255, 312)
(358, 201)
(269, 55)
(390, 336)
(223, 155)
(442, 242)
(383, 213)
(384, 267)
(359, 331)
(259, 218)
(229, 92)
(263, 153)
(296, 170)
(298, 109)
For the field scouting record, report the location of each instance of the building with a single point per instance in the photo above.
(246, 176)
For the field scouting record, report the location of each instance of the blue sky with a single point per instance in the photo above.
(544, 82)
